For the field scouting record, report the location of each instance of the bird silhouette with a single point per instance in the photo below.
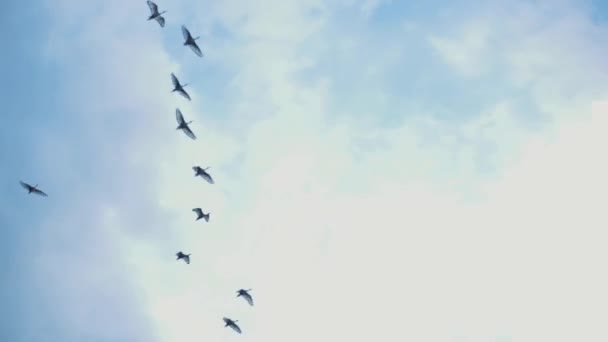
(198, 171)
(183, 125)
(200, 214)
(154, 14)
(186, 257)
(177, 87)
(232, 324)
(32, 189)
(245, 294)
(191, 41)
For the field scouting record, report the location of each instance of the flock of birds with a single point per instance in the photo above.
(183, 126)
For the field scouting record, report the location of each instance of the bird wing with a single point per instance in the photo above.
(160, 20)
(207, 177)
(235, 327)
(153, 7)
(185, 32)
(40, 192)
(248, 298)
(184, 94)
(25, 185)
(196, 49)
(199, 211)
(189, 133)
(174, 80)
(179, 117)
(187, 259)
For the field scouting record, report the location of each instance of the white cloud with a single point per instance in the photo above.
(369, 6)
(343, 231)
(469, 53)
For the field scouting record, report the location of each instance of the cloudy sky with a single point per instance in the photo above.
(385, 171)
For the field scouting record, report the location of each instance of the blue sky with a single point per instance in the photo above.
(433, 166)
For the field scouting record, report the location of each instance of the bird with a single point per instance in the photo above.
(32, 189)
(198, 171)
(183, 125)
(154, 14)
(245, 294)
(201, 215)
(232, 324)
(191, 41)
(181, 255)
(179, 87)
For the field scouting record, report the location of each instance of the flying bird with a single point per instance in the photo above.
(198, 171)
(200, 214)
(183, 125)
(232, 324)
(32, 189)
(245, 294)
(154, 14)
(186, 257)
(191, 41)
(177, 87)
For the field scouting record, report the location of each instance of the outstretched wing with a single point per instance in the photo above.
(153, 7)
(207, 177)
(248, 298)
(179, 117)
(40, 192)
(185, 32)
(174, 80)
(160, 20)
(235, 327)
(198, 211)
(189, 132)
(196, 49)
(25, 185)
(184, 94)
(187, 259)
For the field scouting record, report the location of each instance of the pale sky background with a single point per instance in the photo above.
(425, 171)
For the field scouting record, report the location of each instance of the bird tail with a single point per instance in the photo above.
(206, 217)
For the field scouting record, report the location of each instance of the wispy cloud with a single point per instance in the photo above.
(354, 208)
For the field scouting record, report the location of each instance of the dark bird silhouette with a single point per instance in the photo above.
(198, 171)
(245, 294)
(201, 215)
(177, 87)
(232, 324)
(191, 41)
(32, 189)
(183, 125)
(154, 14)
(186, 257)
